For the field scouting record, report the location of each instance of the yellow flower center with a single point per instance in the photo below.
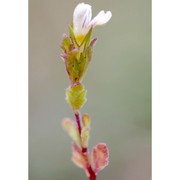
(80, 38)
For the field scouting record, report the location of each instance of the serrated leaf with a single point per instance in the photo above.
(76, 96)
(78, 158)
(100, 157)
(71, 128)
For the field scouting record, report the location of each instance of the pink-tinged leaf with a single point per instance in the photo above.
(86, 120)
(81, 160)
(92, 42)
(100, 157)
(71, 128)
(63, 56)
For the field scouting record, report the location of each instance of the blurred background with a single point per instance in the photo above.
(118, 83)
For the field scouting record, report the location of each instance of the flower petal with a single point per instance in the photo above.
(81, 18)
(101, 18)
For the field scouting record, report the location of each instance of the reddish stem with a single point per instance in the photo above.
(85, 150)
(92, 174)
(77, 115)
(78, 122)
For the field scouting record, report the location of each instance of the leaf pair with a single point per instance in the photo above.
(100, 157)
(100, 154)
(71, 128)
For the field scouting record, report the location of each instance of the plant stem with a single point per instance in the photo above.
(78, 122)
(92, 175)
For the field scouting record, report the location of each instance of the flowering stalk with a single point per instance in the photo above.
(77, 52)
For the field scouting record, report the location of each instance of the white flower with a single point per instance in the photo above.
(82, 20)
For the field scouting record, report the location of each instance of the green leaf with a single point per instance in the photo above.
(66, 42)
(75, 96)
(72, 65)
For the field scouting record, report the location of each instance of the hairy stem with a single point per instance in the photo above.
(92, 175)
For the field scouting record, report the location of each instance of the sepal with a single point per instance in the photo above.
(66, 43)
(86, 40)
(72, 36)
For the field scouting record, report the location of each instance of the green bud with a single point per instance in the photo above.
(75, 96)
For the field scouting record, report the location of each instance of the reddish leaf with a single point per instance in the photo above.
(78, 158)
(100, 156)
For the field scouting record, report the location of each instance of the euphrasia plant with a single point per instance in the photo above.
(77, 52)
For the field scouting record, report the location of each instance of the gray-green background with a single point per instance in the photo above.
(118, 83)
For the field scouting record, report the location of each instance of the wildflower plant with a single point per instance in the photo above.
(77, 53)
